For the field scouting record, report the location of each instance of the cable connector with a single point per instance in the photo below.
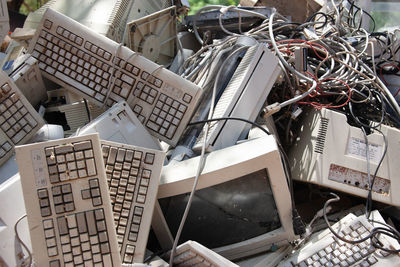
(296, 113)
(299, 227)
(225, 9)
(271, 109)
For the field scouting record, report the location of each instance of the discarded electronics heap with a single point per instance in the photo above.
(132, 134)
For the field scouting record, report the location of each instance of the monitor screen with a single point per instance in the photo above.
(225, 213)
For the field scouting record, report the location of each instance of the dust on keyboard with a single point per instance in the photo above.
(18, 119)
(67, 202)
(133, 175)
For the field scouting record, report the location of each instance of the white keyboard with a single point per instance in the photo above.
(67, 203)
(19, 121)
(192, 253)
(133, 176)
(82, 60)
(328, 250)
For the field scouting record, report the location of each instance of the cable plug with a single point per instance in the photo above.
(225, 9)
(271, 109)
(298, 225)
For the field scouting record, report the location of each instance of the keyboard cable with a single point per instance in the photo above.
(20, 240)
(373, 235)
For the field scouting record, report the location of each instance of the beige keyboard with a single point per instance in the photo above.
(67, 203)
(328, 250)
(82, 60)
(192, 253)
(133, 175)
(19, 121)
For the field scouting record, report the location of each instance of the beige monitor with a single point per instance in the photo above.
(242, 205)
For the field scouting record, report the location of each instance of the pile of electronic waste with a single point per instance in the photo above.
(132, 134)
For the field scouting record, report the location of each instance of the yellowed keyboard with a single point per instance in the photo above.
(67, 203)
(19, 121)
(133, 175)
(97, 68)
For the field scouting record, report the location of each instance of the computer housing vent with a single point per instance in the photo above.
(237, 81)
(118, 20)
(323, 128)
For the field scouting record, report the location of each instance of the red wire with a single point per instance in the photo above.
(311, 44)
(319, 106)
(381, 71)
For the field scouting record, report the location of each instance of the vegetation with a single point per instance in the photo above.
(197, 4)
(31, 5)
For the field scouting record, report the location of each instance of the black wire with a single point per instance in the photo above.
(373, 235)
(372, 19)
(232, 118)
(357, 120)
(326, 16)
(368, 205)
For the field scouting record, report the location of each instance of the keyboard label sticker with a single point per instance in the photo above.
(38, 168)
(357, 179)
(357, 147)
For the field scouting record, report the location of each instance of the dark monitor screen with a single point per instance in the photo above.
(226, 213)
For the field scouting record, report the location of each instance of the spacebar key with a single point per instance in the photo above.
(74, 83)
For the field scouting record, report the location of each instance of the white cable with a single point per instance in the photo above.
(20, 240)
(277, 107)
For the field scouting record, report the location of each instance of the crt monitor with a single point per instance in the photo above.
(242, 205)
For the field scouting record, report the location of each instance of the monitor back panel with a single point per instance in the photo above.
(133, 176)
(19, 121)
(28, 78)
(119, 124)
(331, 153)
(84, 61)
(67, 203)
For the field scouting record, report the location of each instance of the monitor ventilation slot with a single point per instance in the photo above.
(323, 128)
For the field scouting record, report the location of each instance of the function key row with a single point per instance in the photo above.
(69, 35)
(131, 69)
(97, 50)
